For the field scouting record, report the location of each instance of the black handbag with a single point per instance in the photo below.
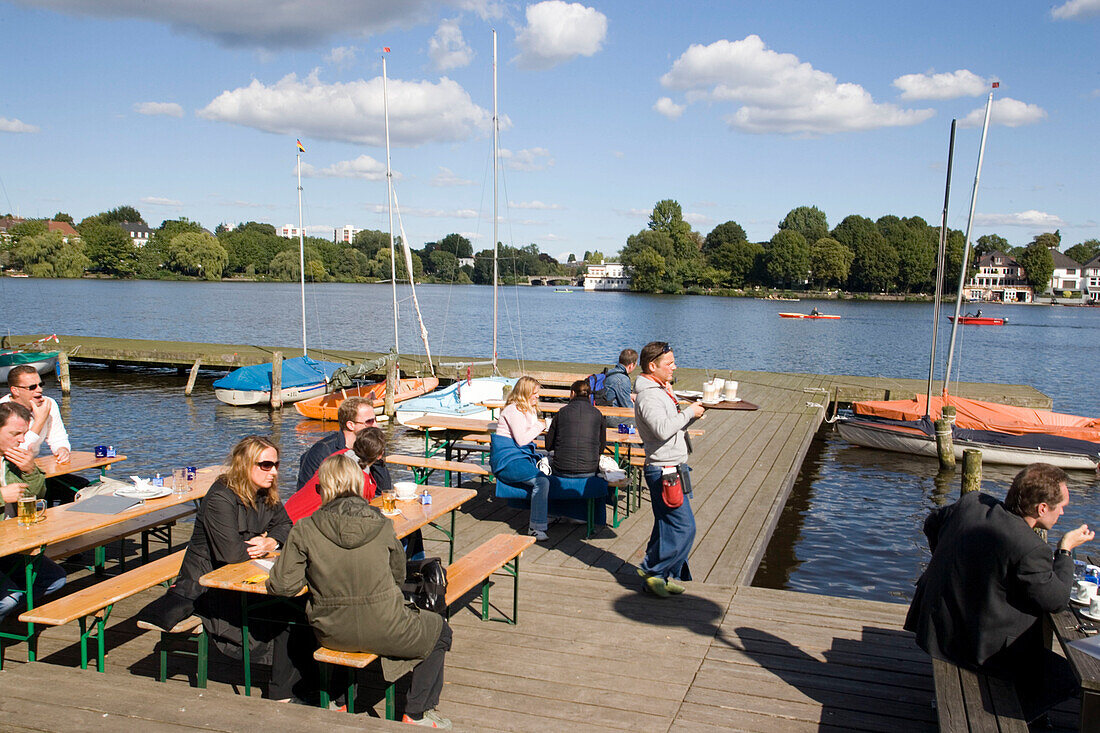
(425, 584)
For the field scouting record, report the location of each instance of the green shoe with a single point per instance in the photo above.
(656, 586)
(673, 587)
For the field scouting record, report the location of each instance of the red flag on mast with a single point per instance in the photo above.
(996, 84)
(386, 49)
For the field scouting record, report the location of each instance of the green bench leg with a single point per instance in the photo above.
(99, 628)
(512, 569)
(201, 654)
(391, 702)
(591, 506)
(324, 685)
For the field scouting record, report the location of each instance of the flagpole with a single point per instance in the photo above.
(301, 251)
(389, 202)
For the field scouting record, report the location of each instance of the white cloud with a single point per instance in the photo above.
(634, 213)
(362, 167)
(529, 159)
(341, 56)
(447, 48)
(698, 219)
(266, 23)
(948, 85)
(1029, 218)
(7, 125)
(554, 238)
(1008, 112)
(778, 93)
(557, 32)
(428, 213)
(161, 109)
(618, 154)
(668, 108)
(1076, 9)
(420, 111)
(447, 177)
(534, 205)
(161, 201)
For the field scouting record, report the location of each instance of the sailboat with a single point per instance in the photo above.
(303, 376)
(1004, 434)
(465, 398)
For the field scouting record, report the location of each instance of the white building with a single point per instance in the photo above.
(346, 234)
(1000, 279)
(1067, 274)
(289, 231)
(1090, 280)
(139, 233)
(608, 276)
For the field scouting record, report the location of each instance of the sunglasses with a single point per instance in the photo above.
(267, 465)
(668, 348)
(30, 387)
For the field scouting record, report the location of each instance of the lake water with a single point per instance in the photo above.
(852, 526)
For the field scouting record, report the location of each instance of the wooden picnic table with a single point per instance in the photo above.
(249, 578)
(66, 522)
(1085, 667)
(79, 460)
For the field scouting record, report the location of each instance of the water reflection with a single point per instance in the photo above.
(853, 525)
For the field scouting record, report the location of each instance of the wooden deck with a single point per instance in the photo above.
(591, 652)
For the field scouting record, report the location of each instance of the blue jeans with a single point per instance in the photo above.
(540, 499)
(673, 533)
(50, 577)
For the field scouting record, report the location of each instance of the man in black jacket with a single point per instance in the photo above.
(979, 603)
(577, 436)
(354, 414)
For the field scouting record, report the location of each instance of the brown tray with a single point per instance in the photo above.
(727, 405)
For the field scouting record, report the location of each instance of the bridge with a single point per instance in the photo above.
(559, 280)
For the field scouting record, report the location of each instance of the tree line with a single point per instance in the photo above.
(891, 254)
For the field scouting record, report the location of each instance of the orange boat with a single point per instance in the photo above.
(325, 406)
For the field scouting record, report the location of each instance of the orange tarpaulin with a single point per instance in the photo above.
(978, 415)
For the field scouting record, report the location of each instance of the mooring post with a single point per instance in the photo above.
(277, 380)
(193, 376)
(972, 471)
(948, 413)
(391, 383)
(944, 447)
(63, 372)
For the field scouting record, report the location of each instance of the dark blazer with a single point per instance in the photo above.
(312, 459)
(989, 581)
(577, 437)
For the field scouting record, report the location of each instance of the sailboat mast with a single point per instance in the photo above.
(941, 257)
(496, 218)
(302, 253)
(389, 203)
(966, 245)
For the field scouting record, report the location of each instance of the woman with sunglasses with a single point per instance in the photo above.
(662, 426)
(241, 518)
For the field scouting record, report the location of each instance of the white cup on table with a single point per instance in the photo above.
(1084, 591)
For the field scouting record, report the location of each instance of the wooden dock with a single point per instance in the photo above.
(591, 652)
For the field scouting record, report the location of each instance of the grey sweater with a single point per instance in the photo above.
(661, 426)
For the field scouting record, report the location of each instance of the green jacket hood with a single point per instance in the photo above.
(349, 521)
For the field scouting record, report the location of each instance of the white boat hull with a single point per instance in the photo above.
(245, 397)
(43, 367)
(872, 436)
(404, 416)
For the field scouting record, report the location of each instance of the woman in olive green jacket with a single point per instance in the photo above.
(350, 557)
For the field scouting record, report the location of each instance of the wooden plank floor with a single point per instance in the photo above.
(591, 652)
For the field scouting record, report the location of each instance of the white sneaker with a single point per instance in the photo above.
(539, 534)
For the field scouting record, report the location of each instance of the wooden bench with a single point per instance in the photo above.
(96, 602)
(158, 524)
(971, 701)
(422, 468)
(502, 552)
(186, 631)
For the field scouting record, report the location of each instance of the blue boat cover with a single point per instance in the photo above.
(301, 371)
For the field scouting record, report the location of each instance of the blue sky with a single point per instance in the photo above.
(738, 110)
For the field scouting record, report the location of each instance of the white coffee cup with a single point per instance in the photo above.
(1094, 606)
(407, 490)
(710, 392)
(729, 390)
(1084, 591)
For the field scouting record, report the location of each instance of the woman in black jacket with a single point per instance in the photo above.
(577, 436)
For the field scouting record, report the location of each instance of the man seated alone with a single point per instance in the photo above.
(991, 577)
(25, 388)
(20, 477)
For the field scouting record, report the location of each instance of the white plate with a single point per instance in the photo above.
(136, 493)
(1076, 602)
(1085, 612)
(687, 393)
(394, 513)
(410, 497)
(710, 402)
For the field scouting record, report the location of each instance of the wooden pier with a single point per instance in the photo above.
(591, 652)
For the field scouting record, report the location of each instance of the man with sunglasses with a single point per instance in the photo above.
(354, 414)
(25, 388)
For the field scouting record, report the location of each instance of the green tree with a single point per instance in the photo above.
(830, 262)
(726, 233)
(369, 241)
(787, 258)
(62, 216)
(442, 263)
(49, 255)
(109, 248)
(1038, 265)
(1085, 251)
(28, 228)
(648, 271)
(197, 253)
(736, 261)
(351, 265)
(988, 243)
(285, 266)
(572, 258)
(382, 263)
(648, 252)
(875, 265)
(457, 245)
(668, 217)
(254, 245)
(1050, 240)
(121, 214)
(809, 221)
(916, 244)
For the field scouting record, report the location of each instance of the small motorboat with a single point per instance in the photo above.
(461, 399)
(979, 320)
(325, 407)
(812, 316)
(303, 378)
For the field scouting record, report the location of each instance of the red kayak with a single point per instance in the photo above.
(806, 315)
(979, 321)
